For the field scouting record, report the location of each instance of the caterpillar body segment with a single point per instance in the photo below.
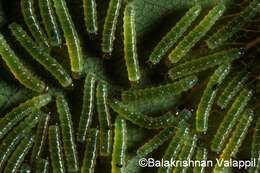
(70, 35)
(232, 89)
(204, 63)
(16, 159)
(19, 112)
(174, 34)
(208, 97)
(230, 119)
(119, 147)
(104, 118)
(50, 22)
(68, 138)
(30, 18)
(50, 63)
(18, 69)
(109, 29)
(130, 49)
(195, 35)
(139, 119)
(87, 107)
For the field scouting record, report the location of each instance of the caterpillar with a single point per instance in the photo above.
(204, 63)
(201, 155)
(175, 145)
(108, 35)
(40, 137)
(17, 157)
(87, 107)
(174, 34)
(154, 105)
(25, 168)
(42, 166)
(256, 147)
(68, 140)
(229, 120)
(159, 92)
(55, 149)
(19, 112)
(187, 152)
(226, 32)
(50, 22)
(131, 59)
(90, 153)
(232, 89)
(119, 147)
(18, 69)
(40, 55)
(237, 137)
(139, 119)
(208, 97)
(163, 135)
(90, 16)
(195, 35)
(9, 142)
(104, 118)
(71, 36)
(30, 18)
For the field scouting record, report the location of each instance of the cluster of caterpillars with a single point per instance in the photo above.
(109, 139)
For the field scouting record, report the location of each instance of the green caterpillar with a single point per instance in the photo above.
(175, 146)
(40, 137)
(19, 112)
(187, 152)
(41, 56)
(68, 140)
(104, 118)
(90, 16)
(232, 89)
(109, 30)
(160, 92)
(195, 35)
(33, 24)
(174, 34)
(55, 149)
(50, 22)
(90, 154)
(208, 97)
(141, 120)
(17, 157)
(87, 107)
(204, 63)
(237, 137)
(119, 147)
(71, 36)
(130, 50)
(163, 135)
(19, 70)
(229, 120)
(10, 141)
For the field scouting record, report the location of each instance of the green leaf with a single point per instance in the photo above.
(11, 95)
